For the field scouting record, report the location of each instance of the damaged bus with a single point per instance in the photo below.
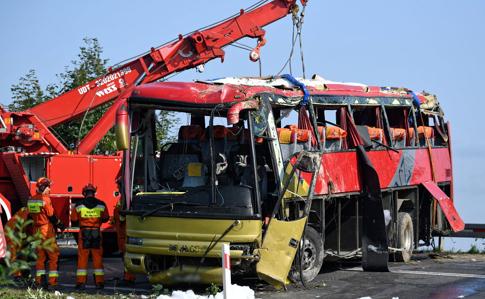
(287, 172)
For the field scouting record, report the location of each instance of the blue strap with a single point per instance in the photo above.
(302, 86)
(416, 100)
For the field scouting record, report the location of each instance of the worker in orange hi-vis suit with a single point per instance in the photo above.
(120, 223)
(45, 220)
(90, 213)
(22, 232)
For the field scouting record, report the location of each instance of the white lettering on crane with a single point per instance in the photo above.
(111, 77)
(109, 89)
(107, 79)
(83, 89)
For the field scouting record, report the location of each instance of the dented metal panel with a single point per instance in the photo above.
(446, 205)
(278, 250)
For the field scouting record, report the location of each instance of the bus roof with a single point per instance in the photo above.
(207, 94)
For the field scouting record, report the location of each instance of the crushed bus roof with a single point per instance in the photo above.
(206, 94)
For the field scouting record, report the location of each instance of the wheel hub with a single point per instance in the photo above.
(309, 254)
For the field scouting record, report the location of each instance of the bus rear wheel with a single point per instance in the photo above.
(405, 237)
(311, 257)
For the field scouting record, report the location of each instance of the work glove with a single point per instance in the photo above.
(61, 226)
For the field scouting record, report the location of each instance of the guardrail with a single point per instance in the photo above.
(472, 230)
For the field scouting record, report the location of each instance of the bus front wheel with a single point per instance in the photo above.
(310, 258)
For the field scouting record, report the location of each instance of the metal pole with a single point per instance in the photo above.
(226, 271)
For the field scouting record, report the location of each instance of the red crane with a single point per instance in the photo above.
(33, 150)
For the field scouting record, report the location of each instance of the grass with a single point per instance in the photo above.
(474, 249)
(40, 294)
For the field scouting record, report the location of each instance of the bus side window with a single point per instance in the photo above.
(331, 133)
(372, 118)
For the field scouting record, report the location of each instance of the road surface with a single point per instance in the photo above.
(426, 276)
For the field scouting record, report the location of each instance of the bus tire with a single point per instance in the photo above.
(312, 257)
(405, 237)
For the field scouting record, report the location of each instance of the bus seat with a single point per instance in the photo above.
(190, 134)
(321, 133)
(333, 138)
(220, 144)
(288, 140)
(194, 175)
(245, 137)
(247, 178)
(235, 136)
(303, 140)
(173, 159)
(375, 134)
(300, 139)
(422, 140)
(399, 137)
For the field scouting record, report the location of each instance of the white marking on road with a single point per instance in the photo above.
(358, 269)
(441, 274)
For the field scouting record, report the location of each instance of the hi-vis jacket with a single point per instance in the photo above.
(90, 212)
(41, 210)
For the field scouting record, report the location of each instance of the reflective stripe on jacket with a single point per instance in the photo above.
(90, 212)
(40, 209)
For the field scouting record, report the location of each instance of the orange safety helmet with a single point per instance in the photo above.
(44, 181)
(89, 187)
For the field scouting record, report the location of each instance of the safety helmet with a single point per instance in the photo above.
(44, 181)
(118, 180)
(89, 187)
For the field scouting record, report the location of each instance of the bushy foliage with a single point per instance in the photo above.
(24, 252)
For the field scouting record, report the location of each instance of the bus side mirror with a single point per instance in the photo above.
(122, 127)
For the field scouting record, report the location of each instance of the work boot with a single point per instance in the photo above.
(80, 286)
(100, 286)
(43, 282)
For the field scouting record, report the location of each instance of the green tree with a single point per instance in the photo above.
(87, 67)
(28, 93)
(167, 121)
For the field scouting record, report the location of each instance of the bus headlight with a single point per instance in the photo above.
(135, 241)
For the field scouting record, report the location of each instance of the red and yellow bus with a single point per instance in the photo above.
(287, 172)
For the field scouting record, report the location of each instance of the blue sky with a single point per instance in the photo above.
(437, 46)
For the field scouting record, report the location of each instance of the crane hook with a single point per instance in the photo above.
(254, 54)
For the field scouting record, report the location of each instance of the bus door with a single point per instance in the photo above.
(288, 220)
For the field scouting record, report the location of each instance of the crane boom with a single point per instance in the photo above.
(188, 52)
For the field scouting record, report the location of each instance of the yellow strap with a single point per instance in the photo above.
(195, 169)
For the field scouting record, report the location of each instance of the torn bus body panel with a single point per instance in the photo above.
(374, 239)
(446, 205)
